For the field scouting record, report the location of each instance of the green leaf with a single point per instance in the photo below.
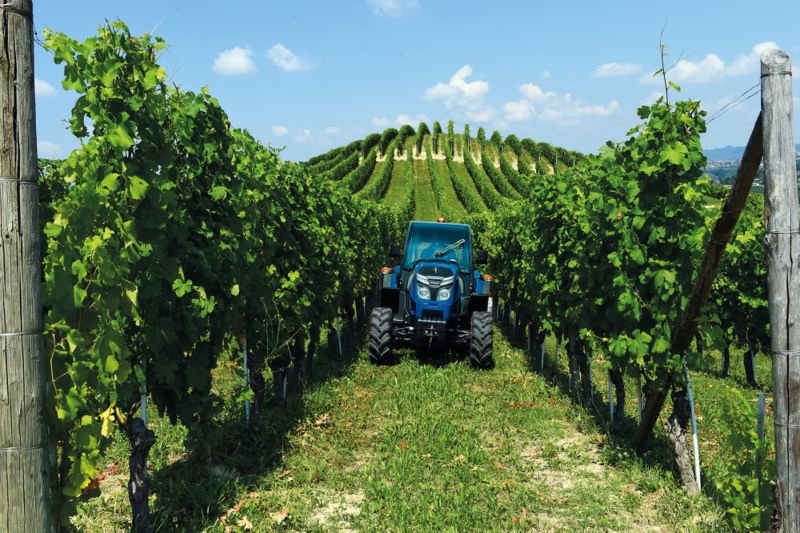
(675, 153)
(109, 183)
(120, 138)
(219, 192)
(637, 255)
(78, 295)
(137, 187)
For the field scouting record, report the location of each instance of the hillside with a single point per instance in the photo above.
(426, 173)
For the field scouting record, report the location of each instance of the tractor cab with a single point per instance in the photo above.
(431, 296)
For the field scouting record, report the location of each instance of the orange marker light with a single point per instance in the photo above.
(487, 277)
(386, 270)
(440, 219)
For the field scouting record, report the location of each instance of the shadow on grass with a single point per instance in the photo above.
(197, 490)
(437, 357)
(617, 446)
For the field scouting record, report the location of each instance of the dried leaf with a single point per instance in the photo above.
(244, 523)
(324, 420)
(280, 516)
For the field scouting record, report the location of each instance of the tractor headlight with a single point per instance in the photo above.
(443, 294)
(423, 292)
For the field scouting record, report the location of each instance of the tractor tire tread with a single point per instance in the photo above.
(480, 342)
(380, 335)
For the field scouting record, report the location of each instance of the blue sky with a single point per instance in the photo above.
(310, 75)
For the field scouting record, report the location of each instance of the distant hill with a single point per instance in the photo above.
(729, 153)
(427, 173)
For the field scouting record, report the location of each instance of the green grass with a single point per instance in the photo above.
(426, 445)
(449, 195)
(402, 179)
(426, 201)
(717, 403)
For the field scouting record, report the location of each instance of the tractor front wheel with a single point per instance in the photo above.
(380, 335)
(480, 341)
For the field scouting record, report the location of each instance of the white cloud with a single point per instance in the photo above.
(517, 110)
(391, 8)
(750, 63)
(710, 68)
(464, 96)
(42, 88)
(381, 122)
(607, 70)
(569, 111)
(235, 61)
(48, 149)
(713, 68)
(403, 119)
(536, 94)
(279, 131)
(286, 59)
(304, 136)
(331, 130)
(551, 107)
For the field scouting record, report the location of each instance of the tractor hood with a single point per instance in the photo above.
(435, 273)
(434, 290)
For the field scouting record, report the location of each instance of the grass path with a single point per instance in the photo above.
(402, 180)
(426, 201)
(434, 447)
(423, 445)
(448, 192)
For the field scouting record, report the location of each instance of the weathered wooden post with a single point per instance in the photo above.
(24, 454)
(783, 261)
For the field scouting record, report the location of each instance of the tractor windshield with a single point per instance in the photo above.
(438, 241)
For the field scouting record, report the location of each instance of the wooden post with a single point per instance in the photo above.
(24, 453)
(783, 259)
(705, 276)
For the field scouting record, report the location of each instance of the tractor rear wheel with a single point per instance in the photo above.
(380, 335)
(480, 340)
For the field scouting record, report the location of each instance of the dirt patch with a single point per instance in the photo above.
(552, 463)
(335, 515)
(114, 486)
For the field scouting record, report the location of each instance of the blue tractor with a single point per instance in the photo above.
(435, 298)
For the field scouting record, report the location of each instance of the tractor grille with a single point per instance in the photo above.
(432, 317)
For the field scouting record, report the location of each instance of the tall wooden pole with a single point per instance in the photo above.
(24, 455)
(783, 261)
